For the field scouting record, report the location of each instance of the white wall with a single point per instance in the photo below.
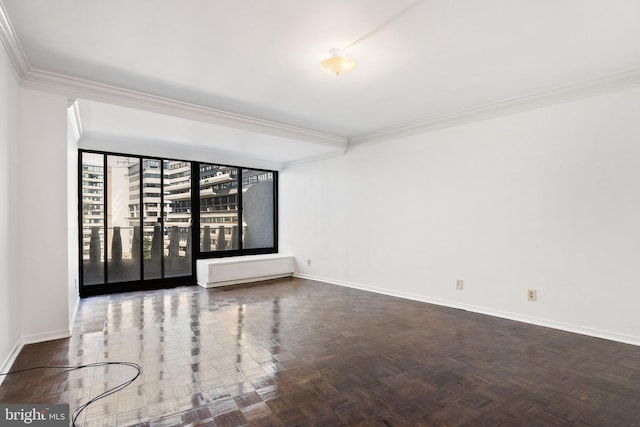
(73, 275)
(547, 199)
(43, 218)
(9, 320)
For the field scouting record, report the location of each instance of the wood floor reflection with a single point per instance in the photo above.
(297, 352)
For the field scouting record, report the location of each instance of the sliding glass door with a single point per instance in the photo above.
(151, 215)
(93, 217)
(135, 220)
(122, 198)
(177, 219)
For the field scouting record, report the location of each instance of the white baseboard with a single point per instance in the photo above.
(11, 358)
(47, 336)
(578, 329)
(30, 339)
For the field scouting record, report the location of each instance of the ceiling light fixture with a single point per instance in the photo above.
(338, 63)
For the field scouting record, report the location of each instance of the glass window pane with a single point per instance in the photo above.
(93, 180)
(258, 209)
(177, 196)
(136, 215)
(218, 208)
(153, 238)
(123, 220)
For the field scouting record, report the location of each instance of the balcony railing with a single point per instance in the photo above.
(174, 242)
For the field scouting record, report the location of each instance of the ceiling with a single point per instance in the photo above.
(123, 128)
(247, 72)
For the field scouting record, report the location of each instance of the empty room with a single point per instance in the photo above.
(292, 213)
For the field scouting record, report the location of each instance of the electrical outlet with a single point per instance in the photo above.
(309, 262)
(532, 295)
(459, 285)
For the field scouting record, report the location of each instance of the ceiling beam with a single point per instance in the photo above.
(77, 88)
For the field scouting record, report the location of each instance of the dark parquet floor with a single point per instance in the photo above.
(297, 352)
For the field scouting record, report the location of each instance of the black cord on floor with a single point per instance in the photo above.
(79, 409)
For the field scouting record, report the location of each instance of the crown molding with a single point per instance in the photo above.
(571, 92)
(316, 158)
(74, 87)
(79, 88)
(11, 44)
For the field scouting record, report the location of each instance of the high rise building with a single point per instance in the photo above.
(92, 201)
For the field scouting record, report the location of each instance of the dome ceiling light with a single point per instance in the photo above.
(339, 63)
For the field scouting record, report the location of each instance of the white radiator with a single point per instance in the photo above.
(233, 270)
